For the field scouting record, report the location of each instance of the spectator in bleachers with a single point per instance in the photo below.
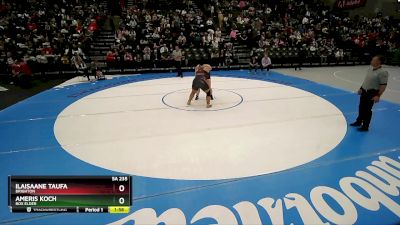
(147, 53)
(266, 62)
(210, 23)
(164, 51)
(218, 34)
(111, 59)
(96, 70)
(339, 55)
(215, 45)
(9, 62)
(228, 58)
(138, 59)
(243, 38)
(42, 61)
(323, 53)
(220, 19)
(233, 35)
(205, 40)
(80, 65)
(128, 60)
(215, 57)
(21, 73)
(181, 40)
(254, 64)
(65, 62)
(47, 49)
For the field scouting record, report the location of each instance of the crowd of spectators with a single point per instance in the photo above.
(282, 28)
(299, 30)
(46, 34)
(148, 36)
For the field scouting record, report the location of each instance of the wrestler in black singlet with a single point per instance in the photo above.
(200, 81)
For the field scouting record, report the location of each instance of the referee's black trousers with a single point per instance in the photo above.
(178, 66)
(365, 107)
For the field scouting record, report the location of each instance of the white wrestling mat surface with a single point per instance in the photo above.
(146, 129)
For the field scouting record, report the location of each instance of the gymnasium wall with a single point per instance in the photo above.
(388, 7)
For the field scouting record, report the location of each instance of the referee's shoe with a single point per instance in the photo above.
(361, 128)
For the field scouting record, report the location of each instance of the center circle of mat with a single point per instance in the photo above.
(129, 129)
(227, 99)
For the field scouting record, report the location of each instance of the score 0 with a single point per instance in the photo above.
(121, 188)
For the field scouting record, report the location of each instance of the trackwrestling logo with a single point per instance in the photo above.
(370, 190)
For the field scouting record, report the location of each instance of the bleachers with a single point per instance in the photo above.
(194, 53)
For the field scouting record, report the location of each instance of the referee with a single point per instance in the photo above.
(177, 56)
(370, 92)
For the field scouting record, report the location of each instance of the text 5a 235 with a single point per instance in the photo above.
(120, 178)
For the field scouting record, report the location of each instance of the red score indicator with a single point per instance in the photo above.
(75, 185)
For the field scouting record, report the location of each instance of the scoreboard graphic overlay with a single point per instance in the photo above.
(355, 182)
(95, 194)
